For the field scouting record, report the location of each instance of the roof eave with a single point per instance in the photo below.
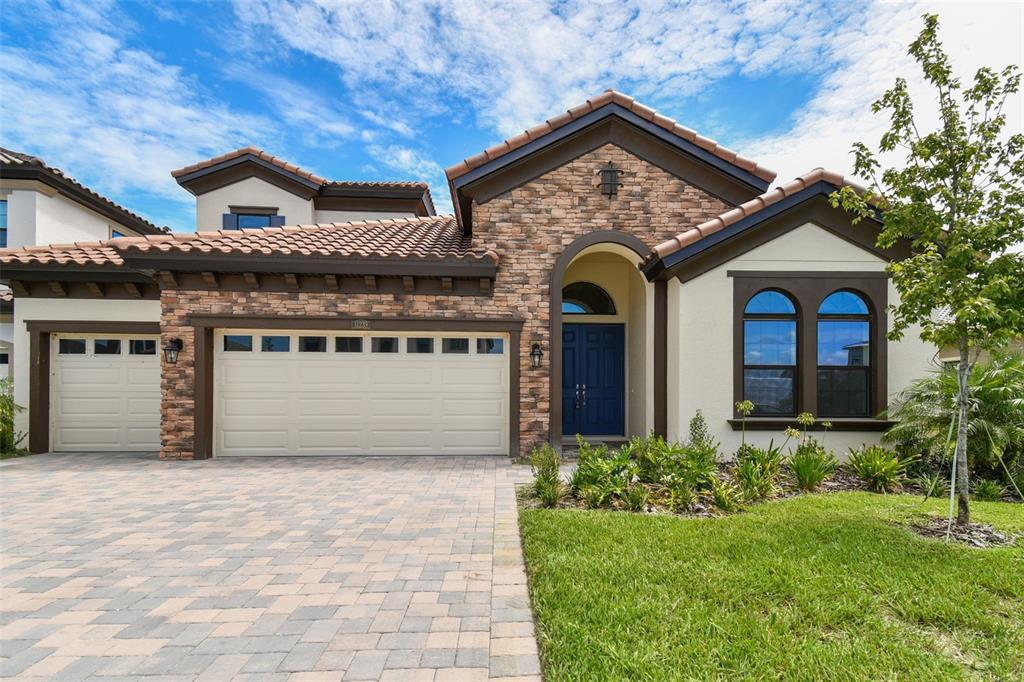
(187, 179)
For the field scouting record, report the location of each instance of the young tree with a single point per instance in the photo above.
(958, 199)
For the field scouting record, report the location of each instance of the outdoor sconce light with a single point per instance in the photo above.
(610, 180)
(536, 355)
(172, 349)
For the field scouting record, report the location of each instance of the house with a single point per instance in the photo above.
(40, 204)
(607, 272)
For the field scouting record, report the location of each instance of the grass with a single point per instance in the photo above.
(812, 587)
(11, 454)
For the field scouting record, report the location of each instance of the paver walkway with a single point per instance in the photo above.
(125, 567)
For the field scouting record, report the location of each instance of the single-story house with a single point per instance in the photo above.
(606, 273)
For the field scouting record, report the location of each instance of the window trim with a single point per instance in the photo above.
(869, 318)
(807, 290)
(794, 317)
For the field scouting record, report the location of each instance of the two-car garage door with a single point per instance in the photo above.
(387, 393)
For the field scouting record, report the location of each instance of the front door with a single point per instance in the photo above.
(593, 379)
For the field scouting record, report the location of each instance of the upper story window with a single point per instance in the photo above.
(769, 353)
(585, 298)
(844, 356)
(3, 224)
(114, 234)
(245, 218)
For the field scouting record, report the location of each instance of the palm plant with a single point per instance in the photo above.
(995, 427)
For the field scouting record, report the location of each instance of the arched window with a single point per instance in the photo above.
(584, 298)
(769, 353)
(844, 356)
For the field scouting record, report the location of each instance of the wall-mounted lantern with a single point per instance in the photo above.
(172, 349)
(610, 180)
(536, 355)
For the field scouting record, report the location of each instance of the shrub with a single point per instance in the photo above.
(635, 497)
(881, 470)
(10, 440)
(613, 472)
(931, 484)
(811, 464)
(547, 480)
(725, 496)
(757, 470)
(676, 494)
(988, 490)
(699, 434)
(589, 469)
(650, 455)
(593, 496)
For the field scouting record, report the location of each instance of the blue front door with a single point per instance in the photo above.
(593, 379)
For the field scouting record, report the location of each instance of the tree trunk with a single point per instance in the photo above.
(963, 498)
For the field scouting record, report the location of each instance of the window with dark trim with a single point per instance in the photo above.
(348, 344)
(586, 298)
(812, 341)
(844, 356)
(3, 223)
(253, 218)
(769, 353)
(142, 347)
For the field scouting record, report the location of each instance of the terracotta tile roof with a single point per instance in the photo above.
(254, 151)
(13, 159)
(758, 203)
(378, 184)
(428, 238)
(605, 98)
(82, 254)
(6, 295)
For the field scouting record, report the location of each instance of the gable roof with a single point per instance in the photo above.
(18, 165)
(313, 183)
(815, 183)
(593, 104)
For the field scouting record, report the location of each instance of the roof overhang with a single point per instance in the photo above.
(79, 195)
(415, 200)
(610, 123)
(245, 166)
(808, 205)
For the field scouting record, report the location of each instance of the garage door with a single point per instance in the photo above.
(105, 393)
(307, 393)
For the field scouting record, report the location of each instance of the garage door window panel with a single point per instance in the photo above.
(275, 344)
(419, 344)
(312, 344)
(490, 346)
(455, 346)
(107, 346)
(142, 347)
(384, 344)
(238, 343)
(348, 344)
(71, 346)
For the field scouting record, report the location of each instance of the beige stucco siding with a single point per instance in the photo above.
(37, 214)
(350, 216)
(211, 206)
(700, 343)
(27, 309)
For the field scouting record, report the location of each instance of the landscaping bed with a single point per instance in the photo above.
(813, 586)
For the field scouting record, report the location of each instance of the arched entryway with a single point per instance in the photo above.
(602, 334)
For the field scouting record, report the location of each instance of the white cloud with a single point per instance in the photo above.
(113, 116)
(869, 56)
(416, 165)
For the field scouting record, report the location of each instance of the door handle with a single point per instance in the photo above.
(584, 394)
(576, 403)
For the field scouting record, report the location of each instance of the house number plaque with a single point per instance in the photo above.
(360, 324)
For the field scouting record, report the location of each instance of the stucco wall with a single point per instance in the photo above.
(701, 335)
(349, 216)
(26, 309)
(210, 207)
(44, 217)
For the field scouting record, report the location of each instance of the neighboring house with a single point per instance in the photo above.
(248, 188)
(40, 204)
(608, 272)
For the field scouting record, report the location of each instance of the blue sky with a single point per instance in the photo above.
(118, 94)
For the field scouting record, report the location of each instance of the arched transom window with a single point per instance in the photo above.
(770, 353)
(844, 356)
(585, 298)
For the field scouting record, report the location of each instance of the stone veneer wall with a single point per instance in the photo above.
(528, 227)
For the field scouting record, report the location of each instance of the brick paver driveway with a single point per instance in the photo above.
(121, 567)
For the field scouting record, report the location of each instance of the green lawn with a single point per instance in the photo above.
(814, 587)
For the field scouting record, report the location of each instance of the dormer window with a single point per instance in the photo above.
(251, 217)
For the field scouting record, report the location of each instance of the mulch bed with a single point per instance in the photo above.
(979, 535)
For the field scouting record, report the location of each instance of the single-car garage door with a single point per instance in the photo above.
(386, 393)
(105, 393)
